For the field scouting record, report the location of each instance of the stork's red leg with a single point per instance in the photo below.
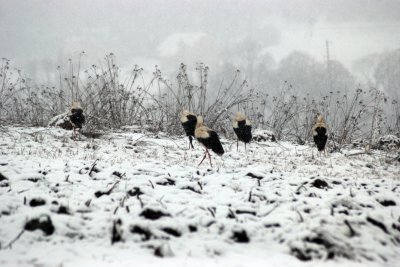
(205, 155)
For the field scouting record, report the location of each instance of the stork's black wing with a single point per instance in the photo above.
(243, 132)
(77, 118)
(190, 125)
(320, 138)
(212, 142)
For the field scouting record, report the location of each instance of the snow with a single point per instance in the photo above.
(59, 119)
(285, 199)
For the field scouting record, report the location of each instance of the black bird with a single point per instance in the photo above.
(242, 128)
(77, 118)
(189, 121)
(209, 139)
(320, 133)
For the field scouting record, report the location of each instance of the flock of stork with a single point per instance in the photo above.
(194, 127)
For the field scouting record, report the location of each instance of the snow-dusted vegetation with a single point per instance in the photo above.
(128, 197)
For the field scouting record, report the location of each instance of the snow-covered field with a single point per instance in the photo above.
(134, 199)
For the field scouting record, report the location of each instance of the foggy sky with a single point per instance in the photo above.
(169, 32)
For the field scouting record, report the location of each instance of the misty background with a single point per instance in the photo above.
(316, 46)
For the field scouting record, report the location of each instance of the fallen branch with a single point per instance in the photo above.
(100, 193)
(91, 169)
(358, 153)
(301, 216)
(151, 183)
(250, 195)
(115, 210)
(201, 186)
(302, 186)
(14, 240)
(140, 200)
(270, 211)
(352, 232)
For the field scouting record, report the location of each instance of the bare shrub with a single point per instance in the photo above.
(214, 106)
(352, 116)
(107, 102)
(110, 101)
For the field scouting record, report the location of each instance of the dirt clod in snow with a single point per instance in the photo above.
(192, 228)
(118, 174)
(171, 231)
(318, 183)
(167, 181)
(386, 202)
(321, 245)
(300, 254)
(37, 202)
(240, 236)
(3, 180)
(378, 224)
(135, 192)
(151, 214)
(143, 232)
(116, 234)
(43, 223)
(33, 179)
(2, 177)
(163, 250)
(64, 210)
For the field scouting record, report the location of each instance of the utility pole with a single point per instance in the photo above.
(328, 66)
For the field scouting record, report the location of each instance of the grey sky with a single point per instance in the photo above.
(168, 32)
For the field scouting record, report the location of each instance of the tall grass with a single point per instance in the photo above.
(155, 101)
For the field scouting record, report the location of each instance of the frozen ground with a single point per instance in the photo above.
(277, 204)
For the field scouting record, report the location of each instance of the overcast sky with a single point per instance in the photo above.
(168, 32)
